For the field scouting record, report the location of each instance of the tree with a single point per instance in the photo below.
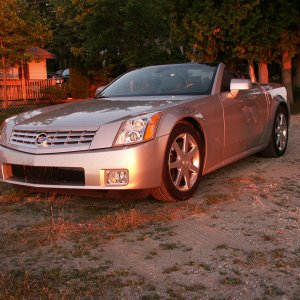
(289, 32)
(21, 29)
(259, 32)
(117, 34)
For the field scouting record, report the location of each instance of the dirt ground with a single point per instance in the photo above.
(237, 238)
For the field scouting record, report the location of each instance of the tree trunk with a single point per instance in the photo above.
(286, 75)
(297, 73)
(5, 102)
(23, 83)
(263, 73)
(252, 73)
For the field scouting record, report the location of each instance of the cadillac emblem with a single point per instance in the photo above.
(41, 139)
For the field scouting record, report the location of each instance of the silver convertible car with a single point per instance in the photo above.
(158, 128)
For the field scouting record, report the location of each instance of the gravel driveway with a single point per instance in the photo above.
(237, 238)
(244, 245)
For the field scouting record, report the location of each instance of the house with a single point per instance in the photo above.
(34, 70)
(26, 81)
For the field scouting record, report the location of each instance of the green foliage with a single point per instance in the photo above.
(127, 34)
(21, 28)
(254, 31)
(55, 93)
(116, 35)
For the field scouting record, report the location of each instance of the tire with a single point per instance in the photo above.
(183, 164)
(279, 136)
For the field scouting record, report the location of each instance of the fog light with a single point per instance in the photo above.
(116, 177)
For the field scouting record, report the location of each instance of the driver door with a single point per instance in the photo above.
(245, 118)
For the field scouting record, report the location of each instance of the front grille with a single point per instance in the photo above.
(30, 138)
(47, 175)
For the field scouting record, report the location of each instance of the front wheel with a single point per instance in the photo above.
(183, 165)
(279, 136)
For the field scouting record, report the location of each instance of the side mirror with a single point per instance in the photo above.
(237, 85)
(99, 90)
(240, 84)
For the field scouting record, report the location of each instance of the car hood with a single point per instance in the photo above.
(90, 114)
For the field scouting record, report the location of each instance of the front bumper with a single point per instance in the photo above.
(144, 163)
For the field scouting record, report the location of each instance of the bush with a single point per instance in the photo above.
(55, 93)
(78, 84)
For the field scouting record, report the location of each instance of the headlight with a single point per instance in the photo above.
(4, 123)
(137, 130)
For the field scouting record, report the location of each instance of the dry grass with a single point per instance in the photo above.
(55, 284)
(59, 218)
(52, 227)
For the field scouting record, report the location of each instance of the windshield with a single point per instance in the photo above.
(181, 79)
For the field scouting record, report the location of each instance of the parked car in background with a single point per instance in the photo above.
(62, 76)
(65, 75)
(159, 128)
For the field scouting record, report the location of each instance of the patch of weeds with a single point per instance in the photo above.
(141, 238)
(164, 229)
(256, 258)
(152, 296)
(20, 227)
(12, 196)
(292, 219)
(174, 295)
(237, 272)
(164, 232)
(281, 204)
(34, 207)
(172, 269)
(278, 253)
(79, 251)
(96, 211)
(215, 199)
(151, 254)
(258, 179)
(190, 263)
(169, 246)
(194, 208)
(194, 287)
(221, 246)
(236, 260)
(186, 249)
(273, 290)
(231, 281)
(145, 235)
(173, 246)
(77, 284)
(150, 287)
(268, 238)
(124, 220)
(204, 266)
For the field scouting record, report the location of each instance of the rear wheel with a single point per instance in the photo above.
(182, 167)
(279, 137)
